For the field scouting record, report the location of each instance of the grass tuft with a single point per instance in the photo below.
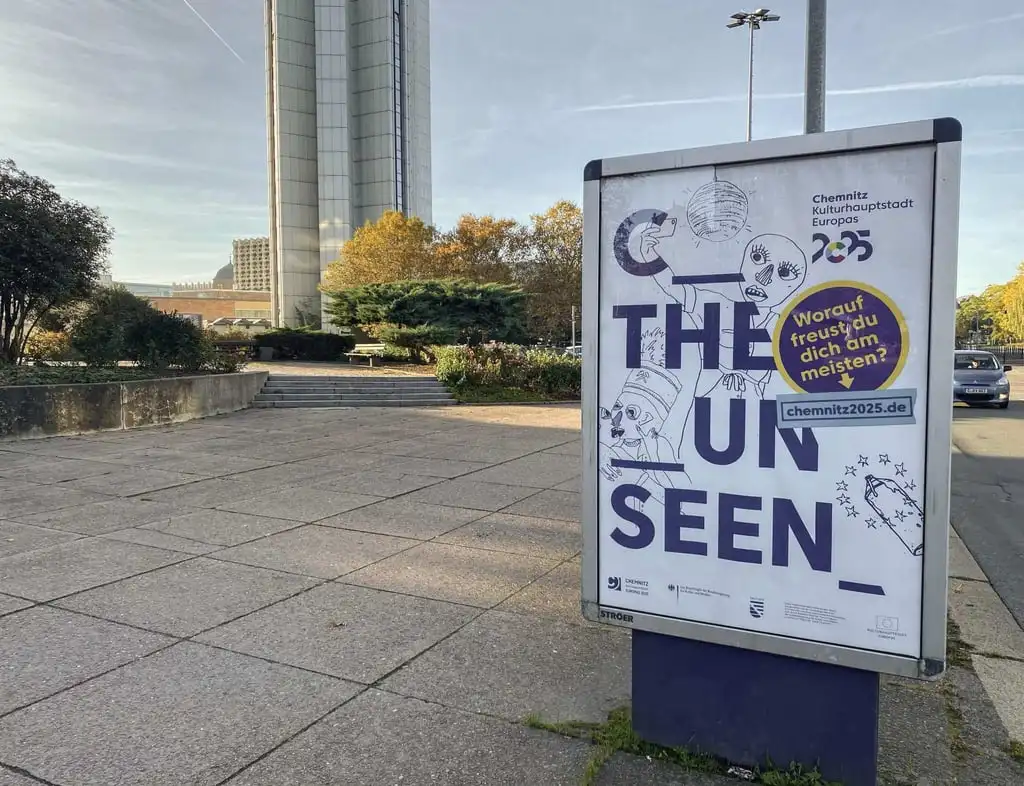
(616, 735)
(1016, 750)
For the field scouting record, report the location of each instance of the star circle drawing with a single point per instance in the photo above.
(887, 336)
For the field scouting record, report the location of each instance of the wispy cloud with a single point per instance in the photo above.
(998, 20)
(209, 27)
(968, 83)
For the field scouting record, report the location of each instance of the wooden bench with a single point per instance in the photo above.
(371, 356)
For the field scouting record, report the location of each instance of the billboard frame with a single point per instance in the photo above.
(944, 135)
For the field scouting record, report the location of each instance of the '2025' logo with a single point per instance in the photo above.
(851, 242)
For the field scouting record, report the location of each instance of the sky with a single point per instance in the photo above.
(154, 111)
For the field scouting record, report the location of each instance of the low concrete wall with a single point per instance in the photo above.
(49, 410)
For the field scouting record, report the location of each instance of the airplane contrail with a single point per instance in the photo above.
(209, 27)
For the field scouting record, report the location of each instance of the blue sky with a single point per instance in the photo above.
(137, 107)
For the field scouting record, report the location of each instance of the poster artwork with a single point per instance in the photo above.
(762, 363)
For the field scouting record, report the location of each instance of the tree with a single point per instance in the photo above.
(1013, 306)
(471, 311)
(52, 252)
(394, 248)
(550, 270)
(481, 248)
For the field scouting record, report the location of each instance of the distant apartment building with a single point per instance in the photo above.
(250, 257)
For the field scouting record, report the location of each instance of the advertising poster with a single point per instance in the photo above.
(762, 388)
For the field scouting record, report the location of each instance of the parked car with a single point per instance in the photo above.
(979, 378)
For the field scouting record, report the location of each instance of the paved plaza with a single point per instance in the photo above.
(346, 598)
(303, 597)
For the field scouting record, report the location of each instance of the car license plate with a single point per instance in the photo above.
(969, 391)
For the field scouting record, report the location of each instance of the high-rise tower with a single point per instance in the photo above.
(348, 118)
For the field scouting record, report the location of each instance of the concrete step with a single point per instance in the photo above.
(266, 395)
(347, 385)
(326, 378)
(354, 402)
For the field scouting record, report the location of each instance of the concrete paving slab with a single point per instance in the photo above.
(549, 504)
(24, 501)
(574, 484)
(913, 734)
(984, 621)
(404, 518)
(434, 468)
(9, 604)
(184, 599)
(305, 504)
(468, 493)
(11, 778)
(320, 552)
(16, 538)
(221, 527)
(129, 481)
(540, 470)
(556, 595)
(153, 723)
(111, 515)
(561, 672)
(44, 650)
(961, 564)
(208, 465)
(571, 448)
(293, 473)
(213, 492)
(59, 570)
(46, 469)
(625, 770)
(161, 540)
(453, 573)
(550, 538)
(352, 632)
(425, 743)
(339, 459)
(1004, 683)
(375, 483)
(984, 741)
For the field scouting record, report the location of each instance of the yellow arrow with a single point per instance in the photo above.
(846, 380)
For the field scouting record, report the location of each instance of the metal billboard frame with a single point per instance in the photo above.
(944, 136)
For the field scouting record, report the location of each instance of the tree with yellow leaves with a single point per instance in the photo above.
(394, 248)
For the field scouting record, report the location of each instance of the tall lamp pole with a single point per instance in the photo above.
(814, 70)
(753, 20)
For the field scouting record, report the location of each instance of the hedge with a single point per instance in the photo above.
(306, 344)
(544, 373)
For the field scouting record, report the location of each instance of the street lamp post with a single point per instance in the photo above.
(753, 20)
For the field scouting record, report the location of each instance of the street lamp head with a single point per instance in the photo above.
(771, 18)
(760, 12)
(736, 23)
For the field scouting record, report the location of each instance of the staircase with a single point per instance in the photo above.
(284, 390)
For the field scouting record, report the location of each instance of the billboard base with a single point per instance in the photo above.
(750, 707)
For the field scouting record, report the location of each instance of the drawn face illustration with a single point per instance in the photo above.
(628, 421)
(773, 268)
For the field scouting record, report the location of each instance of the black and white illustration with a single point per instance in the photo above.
(879, 492)
(717, 211)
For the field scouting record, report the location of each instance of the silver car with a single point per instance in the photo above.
(979, 378)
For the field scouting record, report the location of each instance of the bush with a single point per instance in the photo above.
(416, 341)
(118, 326)
(474, 312)
(306, 344)
(49, 345)
(542, 372)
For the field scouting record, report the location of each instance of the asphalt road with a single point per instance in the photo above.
(988, 491)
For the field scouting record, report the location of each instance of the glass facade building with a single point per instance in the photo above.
(348, 116)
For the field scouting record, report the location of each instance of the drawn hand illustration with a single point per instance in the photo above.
(735, 382)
